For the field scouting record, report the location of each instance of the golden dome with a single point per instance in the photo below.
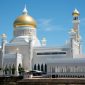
(25, 20)
(75, 13)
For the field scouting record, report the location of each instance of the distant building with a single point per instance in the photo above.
(25, 49)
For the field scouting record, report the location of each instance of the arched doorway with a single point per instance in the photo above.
(38, 67)
(35, 67)
(45, 68)
(42, 67)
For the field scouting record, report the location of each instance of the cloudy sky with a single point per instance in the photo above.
(53, 17)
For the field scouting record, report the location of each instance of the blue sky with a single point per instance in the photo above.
(53, 17)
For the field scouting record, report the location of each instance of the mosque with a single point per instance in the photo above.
(25, 49)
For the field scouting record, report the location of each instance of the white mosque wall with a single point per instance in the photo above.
(76, 49)
(51, 52)
(22, 49)
(0, 59)
(12, 59)
(70, 66)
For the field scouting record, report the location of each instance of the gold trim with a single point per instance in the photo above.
(75, 14)
(17, 25)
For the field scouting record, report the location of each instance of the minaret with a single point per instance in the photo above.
(76, 22)
(75, 35)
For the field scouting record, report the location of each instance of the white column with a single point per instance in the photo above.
(30, 50)
(3, 47)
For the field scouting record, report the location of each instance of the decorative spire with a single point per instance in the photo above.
(3, 35)
(43, 41)
(75, 12)
(17, 50)
(25, 10)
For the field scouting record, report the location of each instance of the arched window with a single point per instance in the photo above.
(38, 67)
(35, 67)
(45, 68)
(42, 67)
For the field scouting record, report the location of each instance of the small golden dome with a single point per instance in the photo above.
(25, 20)
(75, 13)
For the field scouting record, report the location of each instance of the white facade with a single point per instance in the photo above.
(26, 49)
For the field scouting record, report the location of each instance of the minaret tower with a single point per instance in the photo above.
(75, 35)
(76, 22)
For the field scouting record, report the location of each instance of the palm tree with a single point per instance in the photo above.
(20, 70)
(6, 70)
(10, 70)
(13, 69)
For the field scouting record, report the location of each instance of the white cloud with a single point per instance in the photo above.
(48, 25)
(45, 24)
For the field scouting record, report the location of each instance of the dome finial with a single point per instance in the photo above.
(25, 10)
(75, 12)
